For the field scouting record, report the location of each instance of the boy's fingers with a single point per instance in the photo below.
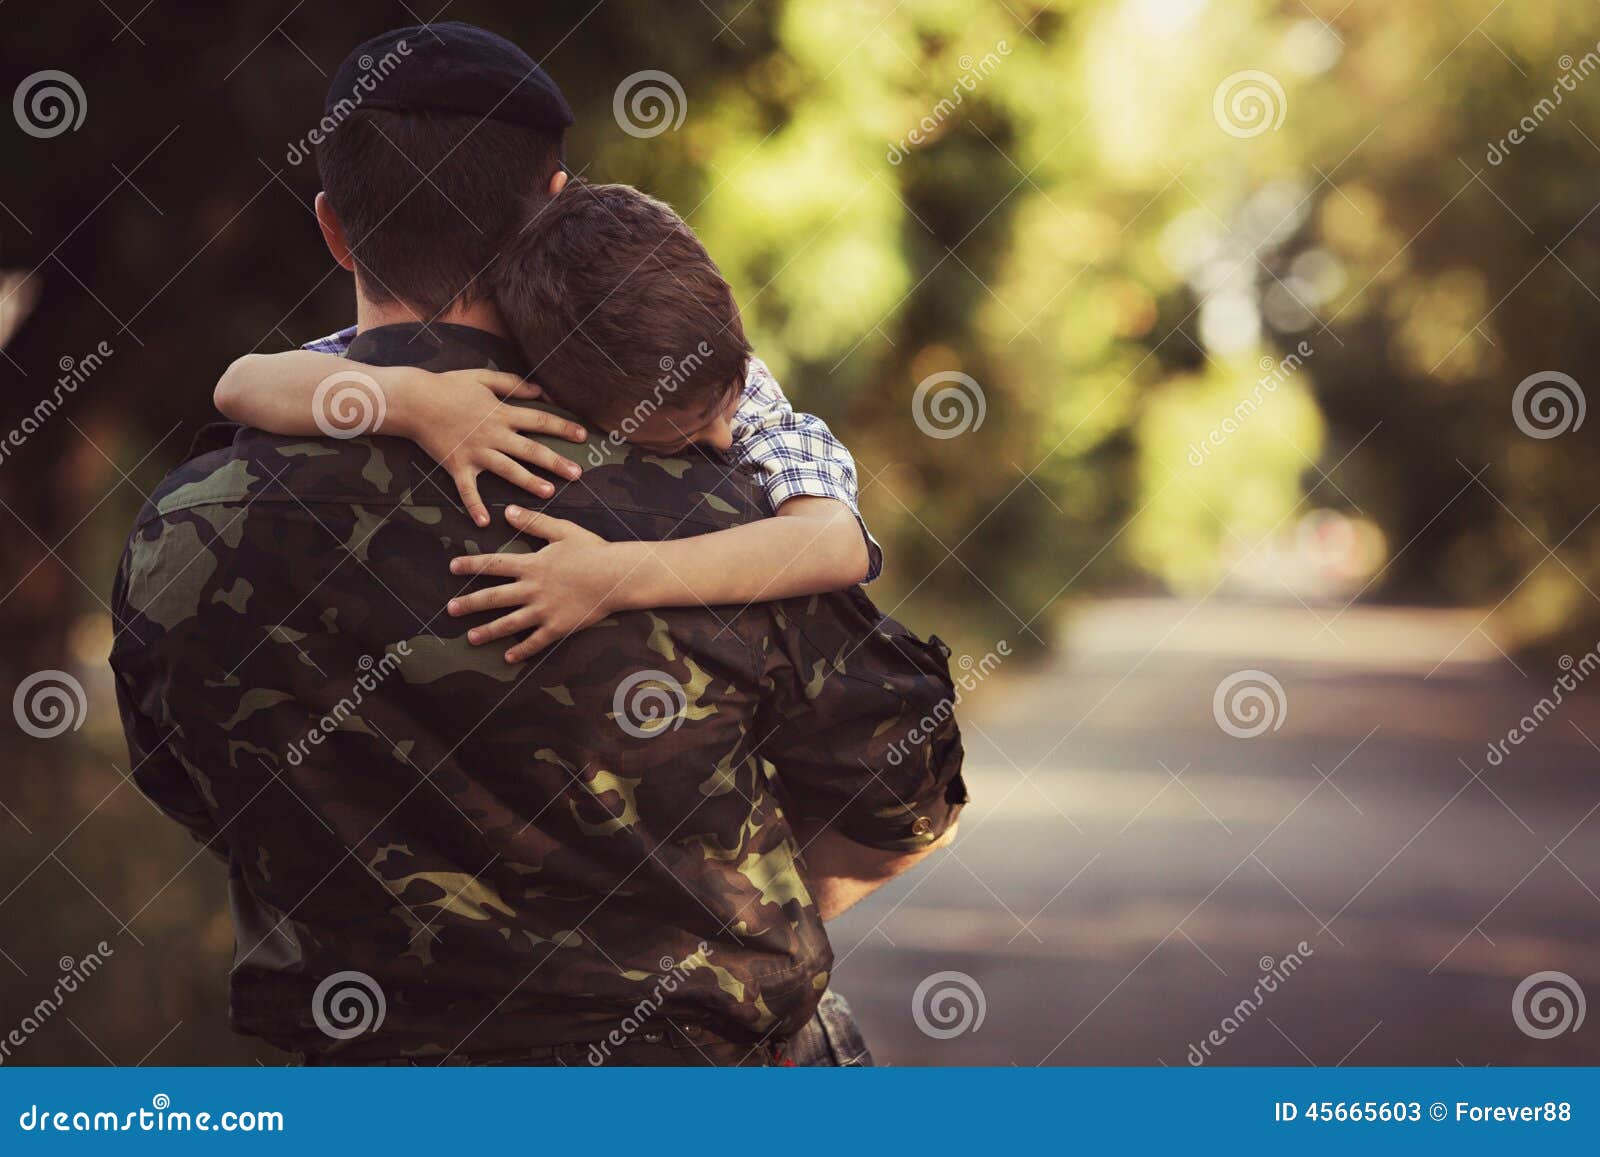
(499, 565)
(510, 385)
(518, 620)
(543, 457)
(467, 486)
(532, 645)
(543, 526)
(541, 422)
(519, 475)
(492, 599)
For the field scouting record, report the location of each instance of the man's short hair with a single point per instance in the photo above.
(619, 308)
(427, 199)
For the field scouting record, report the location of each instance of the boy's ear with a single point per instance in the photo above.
(558, 181)
(333, 232)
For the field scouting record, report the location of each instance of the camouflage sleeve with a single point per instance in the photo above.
(156, 771)
(861, 723)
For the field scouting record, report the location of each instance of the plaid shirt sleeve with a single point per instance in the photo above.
(795, 454)
(334, 343)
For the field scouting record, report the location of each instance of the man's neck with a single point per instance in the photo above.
(481, 315)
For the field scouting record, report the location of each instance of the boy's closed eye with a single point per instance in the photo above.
(672, 431)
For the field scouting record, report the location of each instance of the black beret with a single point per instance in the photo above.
(448, 67)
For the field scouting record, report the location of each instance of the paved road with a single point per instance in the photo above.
(1128, 871)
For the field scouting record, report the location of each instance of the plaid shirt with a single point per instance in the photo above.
(793, 454)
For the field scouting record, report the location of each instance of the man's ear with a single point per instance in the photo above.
(558, 181)
(333, 233)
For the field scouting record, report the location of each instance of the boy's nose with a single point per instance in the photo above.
(718, 435)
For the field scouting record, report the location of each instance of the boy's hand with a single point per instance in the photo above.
(460, 421)
(563, 588)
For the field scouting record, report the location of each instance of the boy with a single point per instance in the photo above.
(626, 319)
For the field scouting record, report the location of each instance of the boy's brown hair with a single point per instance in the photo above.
(619, 308)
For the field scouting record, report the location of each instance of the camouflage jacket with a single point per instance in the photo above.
(507, 855)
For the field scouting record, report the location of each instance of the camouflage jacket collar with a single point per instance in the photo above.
(437, 345)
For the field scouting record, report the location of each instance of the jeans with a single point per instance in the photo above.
(830, 1038)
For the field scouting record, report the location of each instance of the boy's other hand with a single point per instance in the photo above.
(462, 422)
(565, 587)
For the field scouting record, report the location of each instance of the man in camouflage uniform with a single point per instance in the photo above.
(517, 855)
(436, 856)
